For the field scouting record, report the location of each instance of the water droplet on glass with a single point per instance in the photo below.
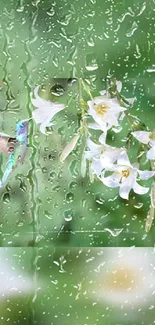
(139, 205)
(73, 167)
(114, 232)
(73, 185)
(51, 12)
(91, 63)
(132, 29)
(69, 197)
(6, 198)
(48, 215)
(23, 186)
(68, 215)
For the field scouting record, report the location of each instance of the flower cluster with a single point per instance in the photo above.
(103, 158)
(102, 113)
(108, 164)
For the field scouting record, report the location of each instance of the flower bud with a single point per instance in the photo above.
(69, 148)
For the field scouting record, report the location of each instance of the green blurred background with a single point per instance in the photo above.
(45, 202)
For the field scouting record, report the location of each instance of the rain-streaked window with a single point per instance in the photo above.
(77, 162)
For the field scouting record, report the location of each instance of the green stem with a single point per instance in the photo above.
(83, 105)
(87, 89)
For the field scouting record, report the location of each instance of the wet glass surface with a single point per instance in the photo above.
(77, 285)
(44, 201)
(53, 220)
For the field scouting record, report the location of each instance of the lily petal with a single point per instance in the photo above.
(45, 111)
(103, 92)
(109, 157)
(138, 189)
(112, 119)
(142, 136)
(112, 180)
(96, 166)
(151, 153)
(146, 174)
(102, 138)
(124, 191)
(123, 159)
(126, 186)
(93, 146)
(94, 126)
(43, 128)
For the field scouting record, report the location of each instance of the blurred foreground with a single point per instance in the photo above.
(77, 286)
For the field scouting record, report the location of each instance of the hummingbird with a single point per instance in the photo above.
(16, 147)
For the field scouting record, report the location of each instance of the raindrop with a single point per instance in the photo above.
(48, 215)
(69, 197)
(20, 9)
(137, 54)
(73, 185)
(52, 175)
(100, 201)
(44, 170)
(128, 13)
(142, 9)
(90, 41)
(56, 188)
(139, 205)
(117, 129)
(114, 232)
(6, 198)
(91, 64)
(68, 215)
(73, 167)
(20, 223)
(23, 186)
(51, 12)
(132, 30)
(57, 90)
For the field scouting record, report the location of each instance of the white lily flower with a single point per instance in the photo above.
(101, 155)
(146, 138)
(46, 110)
(125, 177)
(124, 278)
(105, 111)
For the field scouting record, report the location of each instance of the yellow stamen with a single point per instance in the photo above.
(125, 173)
(102, 109)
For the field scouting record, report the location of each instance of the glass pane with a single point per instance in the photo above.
(52, 45)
